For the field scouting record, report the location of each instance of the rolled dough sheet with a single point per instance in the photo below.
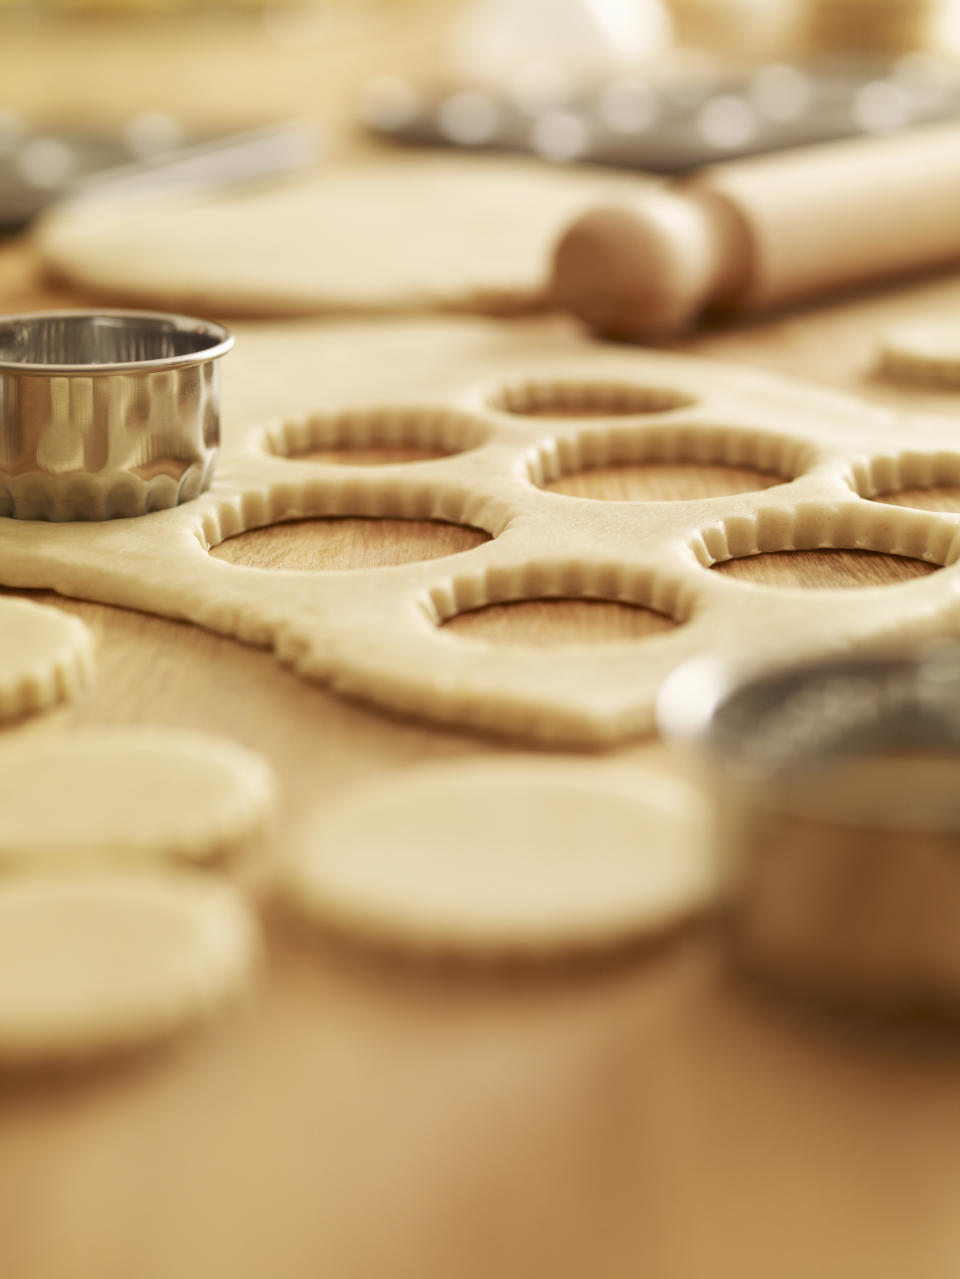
(117, 795)
(511, 407)
(45, 657)
(94, 964)
(404, 233)
(515, 855)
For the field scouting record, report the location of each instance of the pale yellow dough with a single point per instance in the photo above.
(925, 351)
(513, 406)
(95, 964)
(131, 795)
(406, 233)
(504, 856)
(45, 657)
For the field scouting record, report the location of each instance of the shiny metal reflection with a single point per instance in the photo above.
(106, 413)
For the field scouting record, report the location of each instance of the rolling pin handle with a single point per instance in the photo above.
(767, 231)
(650, 268)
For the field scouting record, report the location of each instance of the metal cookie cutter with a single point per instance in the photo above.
(106, 413)
(837, 801)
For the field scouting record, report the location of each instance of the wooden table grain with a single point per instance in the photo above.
(366, 1118)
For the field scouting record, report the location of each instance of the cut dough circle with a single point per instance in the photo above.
(93, 964)
(507, 856)
(397, 233)
(925, 351)
(46, 657)
(129, 795)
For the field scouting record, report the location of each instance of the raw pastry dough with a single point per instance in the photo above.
(129, 795)
(93, 964)
(45, 657)
(507, 855)
(523, 403)
(400, 233)
(925, 350)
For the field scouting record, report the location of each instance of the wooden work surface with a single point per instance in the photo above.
(367, 1119)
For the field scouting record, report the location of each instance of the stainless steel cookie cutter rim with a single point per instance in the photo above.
(839, 706)
(221, 341)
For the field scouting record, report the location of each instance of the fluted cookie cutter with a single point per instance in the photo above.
(837, 809)
(106, 413)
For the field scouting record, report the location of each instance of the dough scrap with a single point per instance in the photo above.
(507, 856)
(46, 657)
(401, 233)
(489, 390)
(93, 964)
(129, 795)
(925, 351)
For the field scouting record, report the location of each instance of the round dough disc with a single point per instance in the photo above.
(46, 656)
(511, 855)
(118, 795)
(91, 964)
(925, 351)
(399, 233)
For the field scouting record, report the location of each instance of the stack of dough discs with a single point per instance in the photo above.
(93, 964)
(129, 795)
(405, 233)
(46, 656)
(925, 351)
(507, 856)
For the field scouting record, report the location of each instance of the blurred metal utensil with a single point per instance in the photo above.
(39, 169)
(836, 791)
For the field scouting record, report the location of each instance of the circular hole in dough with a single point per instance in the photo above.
(938, 497)
(835, 570)
(661, 482)
(129, 795)
(666, 462)
(924, 352)
(587, 399)
(558, 623)
(377, 437)
(334, 543)
(95, 964)
(371, 454)
(509, 856)
(920, 481)
(46, 656)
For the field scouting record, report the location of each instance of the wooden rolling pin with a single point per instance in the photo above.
(758, 233)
